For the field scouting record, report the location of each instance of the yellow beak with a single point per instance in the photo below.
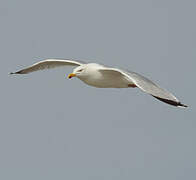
(71, 75)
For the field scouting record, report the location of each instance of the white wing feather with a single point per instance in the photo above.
(48, 64)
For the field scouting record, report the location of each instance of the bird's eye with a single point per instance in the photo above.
(80, 70)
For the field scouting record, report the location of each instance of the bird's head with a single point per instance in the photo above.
(78, 72)
(85, 71)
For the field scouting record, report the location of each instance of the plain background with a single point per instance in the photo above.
(55, 128)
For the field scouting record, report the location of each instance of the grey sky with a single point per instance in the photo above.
(54, 128)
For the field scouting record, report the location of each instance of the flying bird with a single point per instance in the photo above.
(101, 76)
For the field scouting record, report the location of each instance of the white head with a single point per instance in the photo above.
(78, 71)
(83, 71)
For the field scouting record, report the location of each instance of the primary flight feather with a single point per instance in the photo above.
(105, 77)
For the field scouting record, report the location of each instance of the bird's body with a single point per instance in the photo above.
(106, 77)
(95, 77)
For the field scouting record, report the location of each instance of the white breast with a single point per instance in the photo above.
(97, 79)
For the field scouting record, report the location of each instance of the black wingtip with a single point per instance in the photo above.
(17, 72)
(173, 103)
(12, 73)
(182, 105)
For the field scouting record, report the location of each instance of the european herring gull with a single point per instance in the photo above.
(101, 76)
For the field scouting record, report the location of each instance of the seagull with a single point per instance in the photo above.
(100, 76)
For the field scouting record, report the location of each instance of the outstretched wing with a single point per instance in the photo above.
(48, 64)
(147, 86)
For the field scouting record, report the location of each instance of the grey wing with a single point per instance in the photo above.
(48, 64)
(151, 88)
(145, 85)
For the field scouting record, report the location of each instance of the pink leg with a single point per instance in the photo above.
(132, 85)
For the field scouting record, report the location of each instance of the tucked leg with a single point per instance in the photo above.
(132, 85)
